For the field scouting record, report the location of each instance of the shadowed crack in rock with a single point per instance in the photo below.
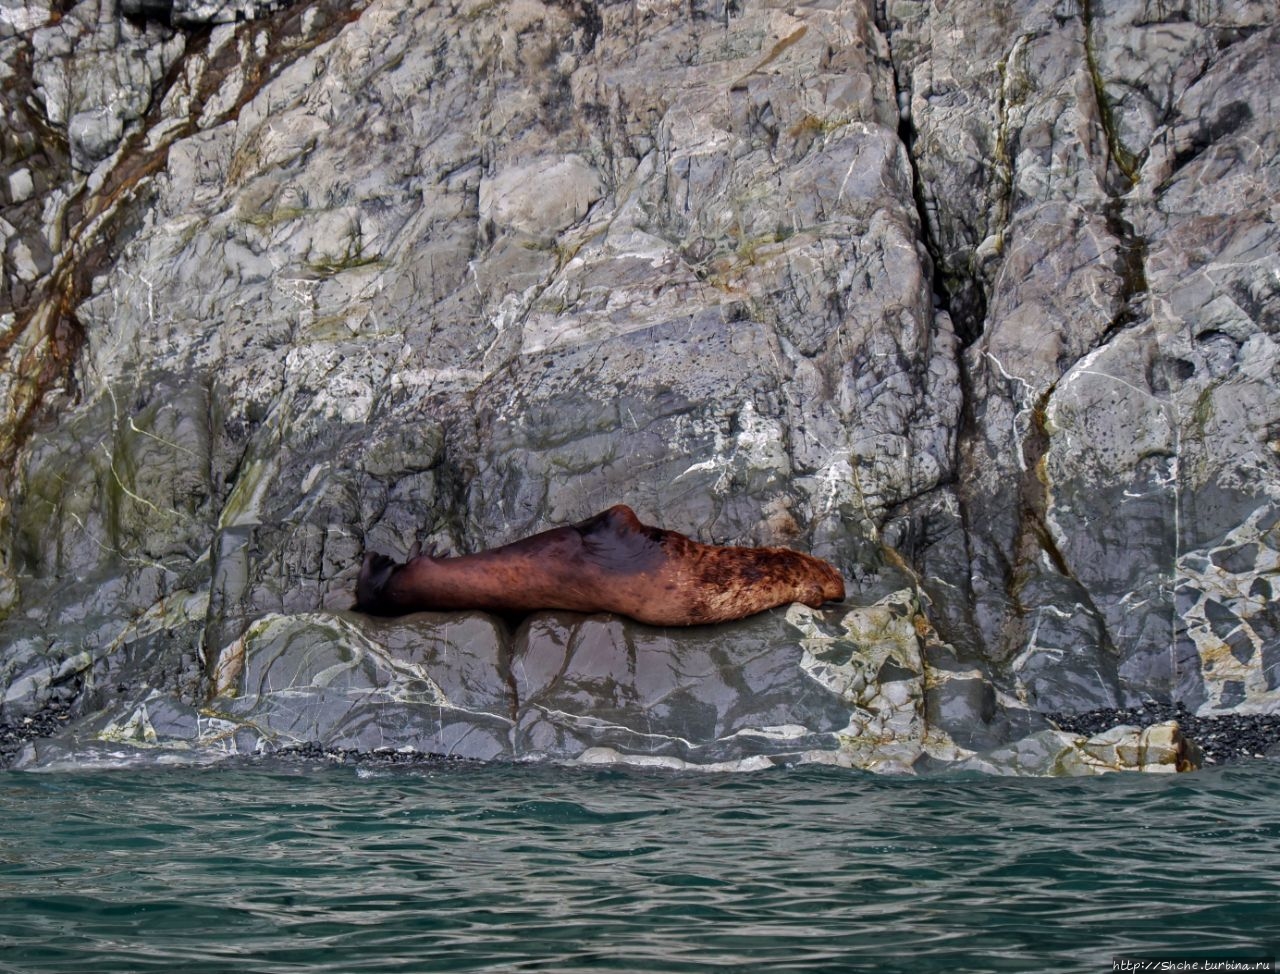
(959, 292)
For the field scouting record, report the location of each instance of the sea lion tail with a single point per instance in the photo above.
(374, 575)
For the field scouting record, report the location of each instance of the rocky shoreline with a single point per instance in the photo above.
(15, 733)
(313, 752)
(1223, 738)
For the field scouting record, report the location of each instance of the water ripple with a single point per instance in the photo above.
(516, 868)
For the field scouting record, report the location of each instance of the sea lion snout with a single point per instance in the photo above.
(833, 587)
(826, 586)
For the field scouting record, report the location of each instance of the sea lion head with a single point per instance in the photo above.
(828, 585)
(375, 572)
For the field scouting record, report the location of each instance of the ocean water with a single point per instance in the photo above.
(502, 868)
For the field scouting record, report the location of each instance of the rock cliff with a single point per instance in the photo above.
(980, 306)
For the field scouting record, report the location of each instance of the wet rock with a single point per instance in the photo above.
(16, 733)
(1221, 737)
(1160, 748)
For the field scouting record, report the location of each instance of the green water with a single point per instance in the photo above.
(551, 869)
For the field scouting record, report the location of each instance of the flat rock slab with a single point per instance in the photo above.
(843, 687)
(561, 684)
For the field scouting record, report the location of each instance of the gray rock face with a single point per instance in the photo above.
(1099, 193)
(979, 307)
(96, 75)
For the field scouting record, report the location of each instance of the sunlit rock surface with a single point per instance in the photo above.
(1157, 749)
(979, 305)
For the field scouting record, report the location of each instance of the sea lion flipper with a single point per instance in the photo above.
(375, 572)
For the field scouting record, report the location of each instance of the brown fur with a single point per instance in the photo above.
(607, 563)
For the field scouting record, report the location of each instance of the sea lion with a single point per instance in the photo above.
(607, 563)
